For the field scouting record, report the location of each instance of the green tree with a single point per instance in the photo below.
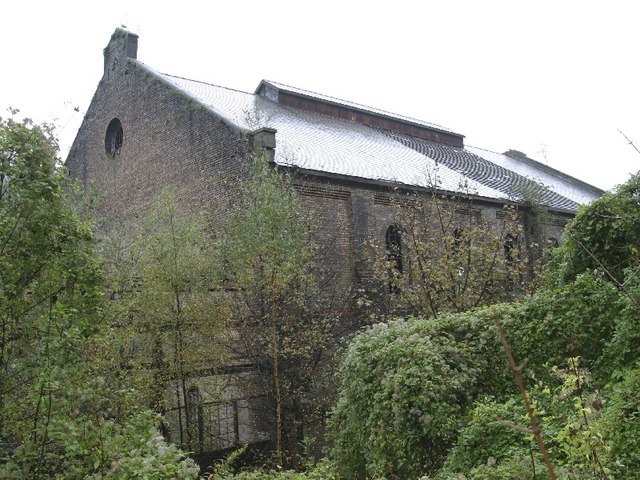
(604, 236)
(63, 413)
(446, 256)
(280, 324)
(50, 293)
(169, 324)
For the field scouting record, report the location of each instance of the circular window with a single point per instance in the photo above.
(113, 138)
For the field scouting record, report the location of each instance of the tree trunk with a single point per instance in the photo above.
(277, 396)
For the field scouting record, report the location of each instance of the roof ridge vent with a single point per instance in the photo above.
(356, 113)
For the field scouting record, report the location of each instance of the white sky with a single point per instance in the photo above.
(554, 79)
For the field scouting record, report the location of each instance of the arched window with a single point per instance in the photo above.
(194, 419)
(457, 239)
(511, 248)
(457, 254)
(394, 256)
(114, 138)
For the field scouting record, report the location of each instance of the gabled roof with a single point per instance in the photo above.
(330, 141)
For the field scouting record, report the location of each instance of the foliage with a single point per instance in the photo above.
(573, 320)
(503, 423)
(573, 425)
(50, 295)
(322, 470)
(452, 257)
(405, 387)
(271, 285)
(168, 326)
(62, 411)
(603, 236)
(267, 235)
(140, 451)
(623, 344)
(621, 422)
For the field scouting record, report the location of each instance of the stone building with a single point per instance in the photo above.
(145, 129)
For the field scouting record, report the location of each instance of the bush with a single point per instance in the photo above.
(604, 235)
(405, 387)
(493, 433)
(573, 320)
(322, 470)
(138, 450)
(621, 419)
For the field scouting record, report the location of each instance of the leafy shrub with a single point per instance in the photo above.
(494, 433)
(623, 344)
(604, 235)
(405, 387)
(516, 465)
(621, 419)
(138, 450)
(573, 320)
(497, 442)
(322, 470)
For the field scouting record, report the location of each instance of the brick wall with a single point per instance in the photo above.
(168, 140)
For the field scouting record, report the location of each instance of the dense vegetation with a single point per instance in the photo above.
(66, 410)
(436, 398)
(84, 335)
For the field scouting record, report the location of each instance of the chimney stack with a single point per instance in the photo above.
(263, 140)
(122, 45)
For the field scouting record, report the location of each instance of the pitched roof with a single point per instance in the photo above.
(316, 141)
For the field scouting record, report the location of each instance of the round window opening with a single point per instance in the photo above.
(113, 138)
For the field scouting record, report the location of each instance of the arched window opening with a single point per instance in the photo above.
(114, 138)
(195, 426)
(394, 256)
(511, 248)
(457, 239)
(456, 247)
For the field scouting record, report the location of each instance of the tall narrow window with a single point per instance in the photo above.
(511, 248)
(194, 419)
(394, 256)
(457, 239)
(114, 138)
(458, 252)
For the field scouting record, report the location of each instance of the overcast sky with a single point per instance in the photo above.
(554, 79)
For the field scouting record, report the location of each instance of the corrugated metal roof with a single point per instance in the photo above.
(313, 141)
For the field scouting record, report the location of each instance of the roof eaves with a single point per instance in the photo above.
(389, 184)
